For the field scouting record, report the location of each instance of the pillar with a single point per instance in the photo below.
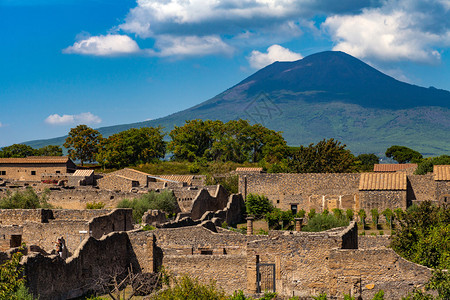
(250, 225)
(298, 224)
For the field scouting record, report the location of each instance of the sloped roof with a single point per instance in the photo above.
(382, 181)
(441, 172)
(392, 167)
(136, 171)
(35, 160)
(83, 173)
(179, 178)
(249, 170)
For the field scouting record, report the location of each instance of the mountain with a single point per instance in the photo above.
(326, 95)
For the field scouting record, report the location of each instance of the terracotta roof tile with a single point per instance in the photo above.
(179, 178)
(392, 167)
(249, 169)
(441, 172)
(35, 160)
(83, 173)
(382, 181)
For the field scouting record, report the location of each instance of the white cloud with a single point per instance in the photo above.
(274, 53)
(1, 125)
(404, 31)
(83, 118)
(190, 46)
(104, 45)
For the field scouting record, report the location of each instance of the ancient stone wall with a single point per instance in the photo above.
(373, 242)
(365, 272)
(31, 172)
(443, 191)
(120, 219)
(113, 182)
(382, 200)
(421, 187)
(94, 261)
(21, 216)
(141, 177)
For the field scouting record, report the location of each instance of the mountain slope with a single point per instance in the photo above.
(326, 95)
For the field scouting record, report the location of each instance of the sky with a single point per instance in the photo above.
(102, 63)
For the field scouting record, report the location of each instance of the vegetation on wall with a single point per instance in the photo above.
(258, 205)
(27, 199)
(164, 201)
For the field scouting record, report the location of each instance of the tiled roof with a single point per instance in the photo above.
(83, 173)
(249, 170)
(441, 172)
(179, 178)
(382, 181)
(35, 160)
(136, 171)
(392, 167)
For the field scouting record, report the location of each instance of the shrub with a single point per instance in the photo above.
(350, 214)
(320, 297)
(164, 201)
(375, 216)
(95, 205)
(381, 232)
(362, 216)
(379, 295)
(27, 199)
(12, 283)
(311, 214)
(300, 214)
(258, 205)
(338, 213)
(321, 222)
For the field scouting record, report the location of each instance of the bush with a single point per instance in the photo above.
(379, 295)
(95, 205)
(164, 201)
(311, 214)
(349, 214)
(27, 199)
(258, 205)
(321, 222)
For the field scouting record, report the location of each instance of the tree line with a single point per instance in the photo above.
(203, 141)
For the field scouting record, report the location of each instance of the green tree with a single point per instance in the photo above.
(327, 156)
(426, 165)
(131, 147)
(18, 150)
(12, 283)
(403, 154)
(50, 150)
(83, 143)
(388, 214)
(311, 214)
(258, 205)
(366, 161)
(27, 199)
(362, 216)
(375, 216)
(321, 222)
(423, 235)
(349, 214)
(338, 213)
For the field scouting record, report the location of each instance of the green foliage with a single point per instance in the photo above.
(277, 216)
(379, 295)
(375, 216)
(12, 283)
(320, 297)
(131, 147)
(338, 213)
(381, 232)
(389, 215)
(269, 296)
(148, 227)
(230, 183)
(439, 283)
(50, 150)
(327, 156)
(426, 165)
(321, 222)
(258, 205)
(95, 205)
(186, 288)
(300, 213)
(311, 214)
(365, 162)
(362, 216)
(17, 150)
(83, 143)
(348, 297)
(423, 235)
(27, 199)
(349, 214)
(239, 295)
(403, 154)
(164, 201)
(235, 141)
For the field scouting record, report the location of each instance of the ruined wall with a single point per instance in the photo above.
(120, 219)
(382, 200)
(206, 202)
(53, 278)
(141, 177)
(21, 216)
(113, 182)
(10, 237)
(356, 270)
(443, 191)
(373, 241)
(30, 172)
(421, 187)
(305, 190)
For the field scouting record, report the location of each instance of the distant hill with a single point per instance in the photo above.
(326, 95)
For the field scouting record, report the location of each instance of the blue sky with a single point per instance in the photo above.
(104, 63)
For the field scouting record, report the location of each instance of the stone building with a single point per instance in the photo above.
(32, 168)
(442, 179)
(81, 177)
(407, 168)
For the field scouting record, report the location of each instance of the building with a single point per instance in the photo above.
(33, 168)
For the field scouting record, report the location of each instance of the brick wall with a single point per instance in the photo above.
(382, 200)
(421, 187)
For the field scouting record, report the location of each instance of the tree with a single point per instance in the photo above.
(27, 199)
(426, 165)
(349, 214)
(403, 154)
(131, 147)
(83, 143)
(366, 161)
(258, 205)
(18, 150)
(362, 217)
(375, 216)
(50, 150)
(12, 283)
(327, 156)
(388, 214)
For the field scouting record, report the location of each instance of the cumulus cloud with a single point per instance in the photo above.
(274, 53)
(400, 30)
(190, 46)
(104, 45)
(83, 118)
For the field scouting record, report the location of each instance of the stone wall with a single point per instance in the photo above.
(382, 200)
(373, 242)
(31, 172)
(206, 202)
(94, 261)
(141, 177)
(113, 182)
(443, 191)
(421, 187)
(307, 191)
(21, 216)
(119, 219)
